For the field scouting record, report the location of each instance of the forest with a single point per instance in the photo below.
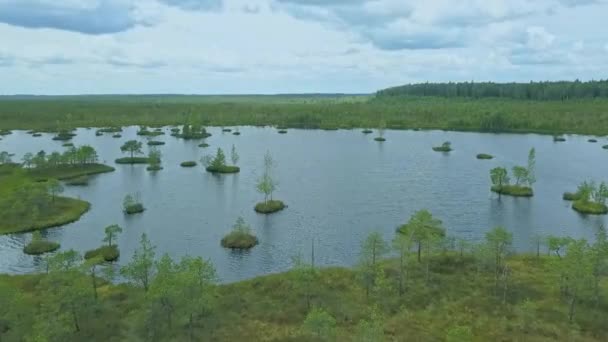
(541, 91)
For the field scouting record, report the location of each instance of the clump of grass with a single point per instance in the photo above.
(64, 135)
(110, 130)
(381, 139)
(155, 143)
(589, 207)
(105, 253)
(513, 190)
(367, 131)
(190, 163)
(240, 237)
(223, 169)
(37, 135)
(559, 139)
(269, 207)
(67, 144)
(98, 134)
(226, 130)
(78, 181)
(605, 147)
(155, 167)
(282, 131)
(236, 133)
(203, 145)
(571, 196)
(5, 132)
(485, 156)
(592, 140)
(445, 147)
(117, 135)
(132, 160)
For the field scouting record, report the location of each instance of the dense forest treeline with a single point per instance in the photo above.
(560, 90)
(583, 116)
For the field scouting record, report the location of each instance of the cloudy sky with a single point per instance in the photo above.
(289, 46)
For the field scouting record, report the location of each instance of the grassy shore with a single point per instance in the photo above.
(453, 294)
(583, 116)
(64, 172)
(63, 210)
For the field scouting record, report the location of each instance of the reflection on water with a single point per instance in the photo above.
(339, 185)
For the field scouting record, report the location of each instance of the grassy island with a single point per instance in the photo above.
(37, 135)
(203, 145)
(63, 136)
(236, 133)
(190, 163)
(155, 143)
(571, 196)
(154, 168)
(445, 147)
(381, 139)
(105, 253)
(223, 169)
(116, 136)
(63, 172)
(590, 198)
(131, 205)
(605, 147)
(513, 190)
(39, 246)
(282, 131)
(226, 130)
(240, 237)
(132, 160)
(485, 156)
(367, 131)
(592, 140)
(559, 139)
(217, 164)
(191, 132)
(589, 207)
(269, 207)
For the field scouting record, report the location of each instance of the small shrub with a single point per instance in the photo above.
(571, 196)
(236, 133)
(484, 156)
(190, 163)
(269, 207)
(106, 253)
(132, 206)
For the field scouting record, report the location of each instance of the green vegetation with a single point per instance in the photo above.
(583, 116)
(217, 164)
(132, 205)
(266, 185)
(236, 131)
(282, 131)
(64, 135)
(143, 131)
(117, 136)
(192, 131)
(4, 132)
(226, 130)
(110, 130)
(240, 237)
(605, 147)
(39, 246)
(381, 129)
(591, 198)
(525, 177)
(74, 162)
(592, 140)
(67, 144)
(37, 135)
(483, 292)
(485, 156)
(132, 160)
(133, 147)
(203, 145)
(155, 143)
(367, 131)
(190, 163)
(559, 139)
(155, 159)
(445, 147)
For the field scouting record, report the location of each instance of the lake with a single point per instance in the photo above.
(339, 186)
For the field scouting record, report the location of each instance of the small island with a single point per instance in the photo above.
(117, 135)
(39, 246)
(524, 179)
(203, 145)
(109, 252)
(590, 198)
(282, 131)
(592, 140)
(155, 143)
(192, 132)
(605, 147)
(37, 135)
(75, 162)
(445, 147)
(154, 159)
(131, 205)
(267, 185)
(143, 131)
(485, 156)
(381, 129)
(190, 163)
(218, 163)
(64, 135)
(559, 139)
(367, 131)
(240, 237)
(133, 147)
(226, 130)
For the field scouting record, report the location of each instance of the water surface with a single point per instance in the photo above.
(339, 185)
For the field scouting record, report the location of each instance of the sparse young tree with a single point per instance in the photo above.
(111, 233)
(531, 170)
(133, 147)
(371, 330)
(141, 268)
(234, 156)
(305, 276)
(5, 158)
(499, 242)
(422, 227)
(499, 177)
(319, 325)
(220, 159)
(372, 249)
(154, 156)
(266, 183)
(402, 244)
(28, 160)
(577, 268)
(54, 188)
(520, 173)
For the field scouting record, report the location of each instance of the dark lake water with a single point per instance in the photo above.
(339, 185)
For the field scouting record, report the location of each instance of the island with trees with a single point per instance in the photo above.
(131, 204)
(525, 177)
(590, 198)
(109, 252)
(218, 164)
(445, 147)
(133, 148)
(39, 246)
(266, 185)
